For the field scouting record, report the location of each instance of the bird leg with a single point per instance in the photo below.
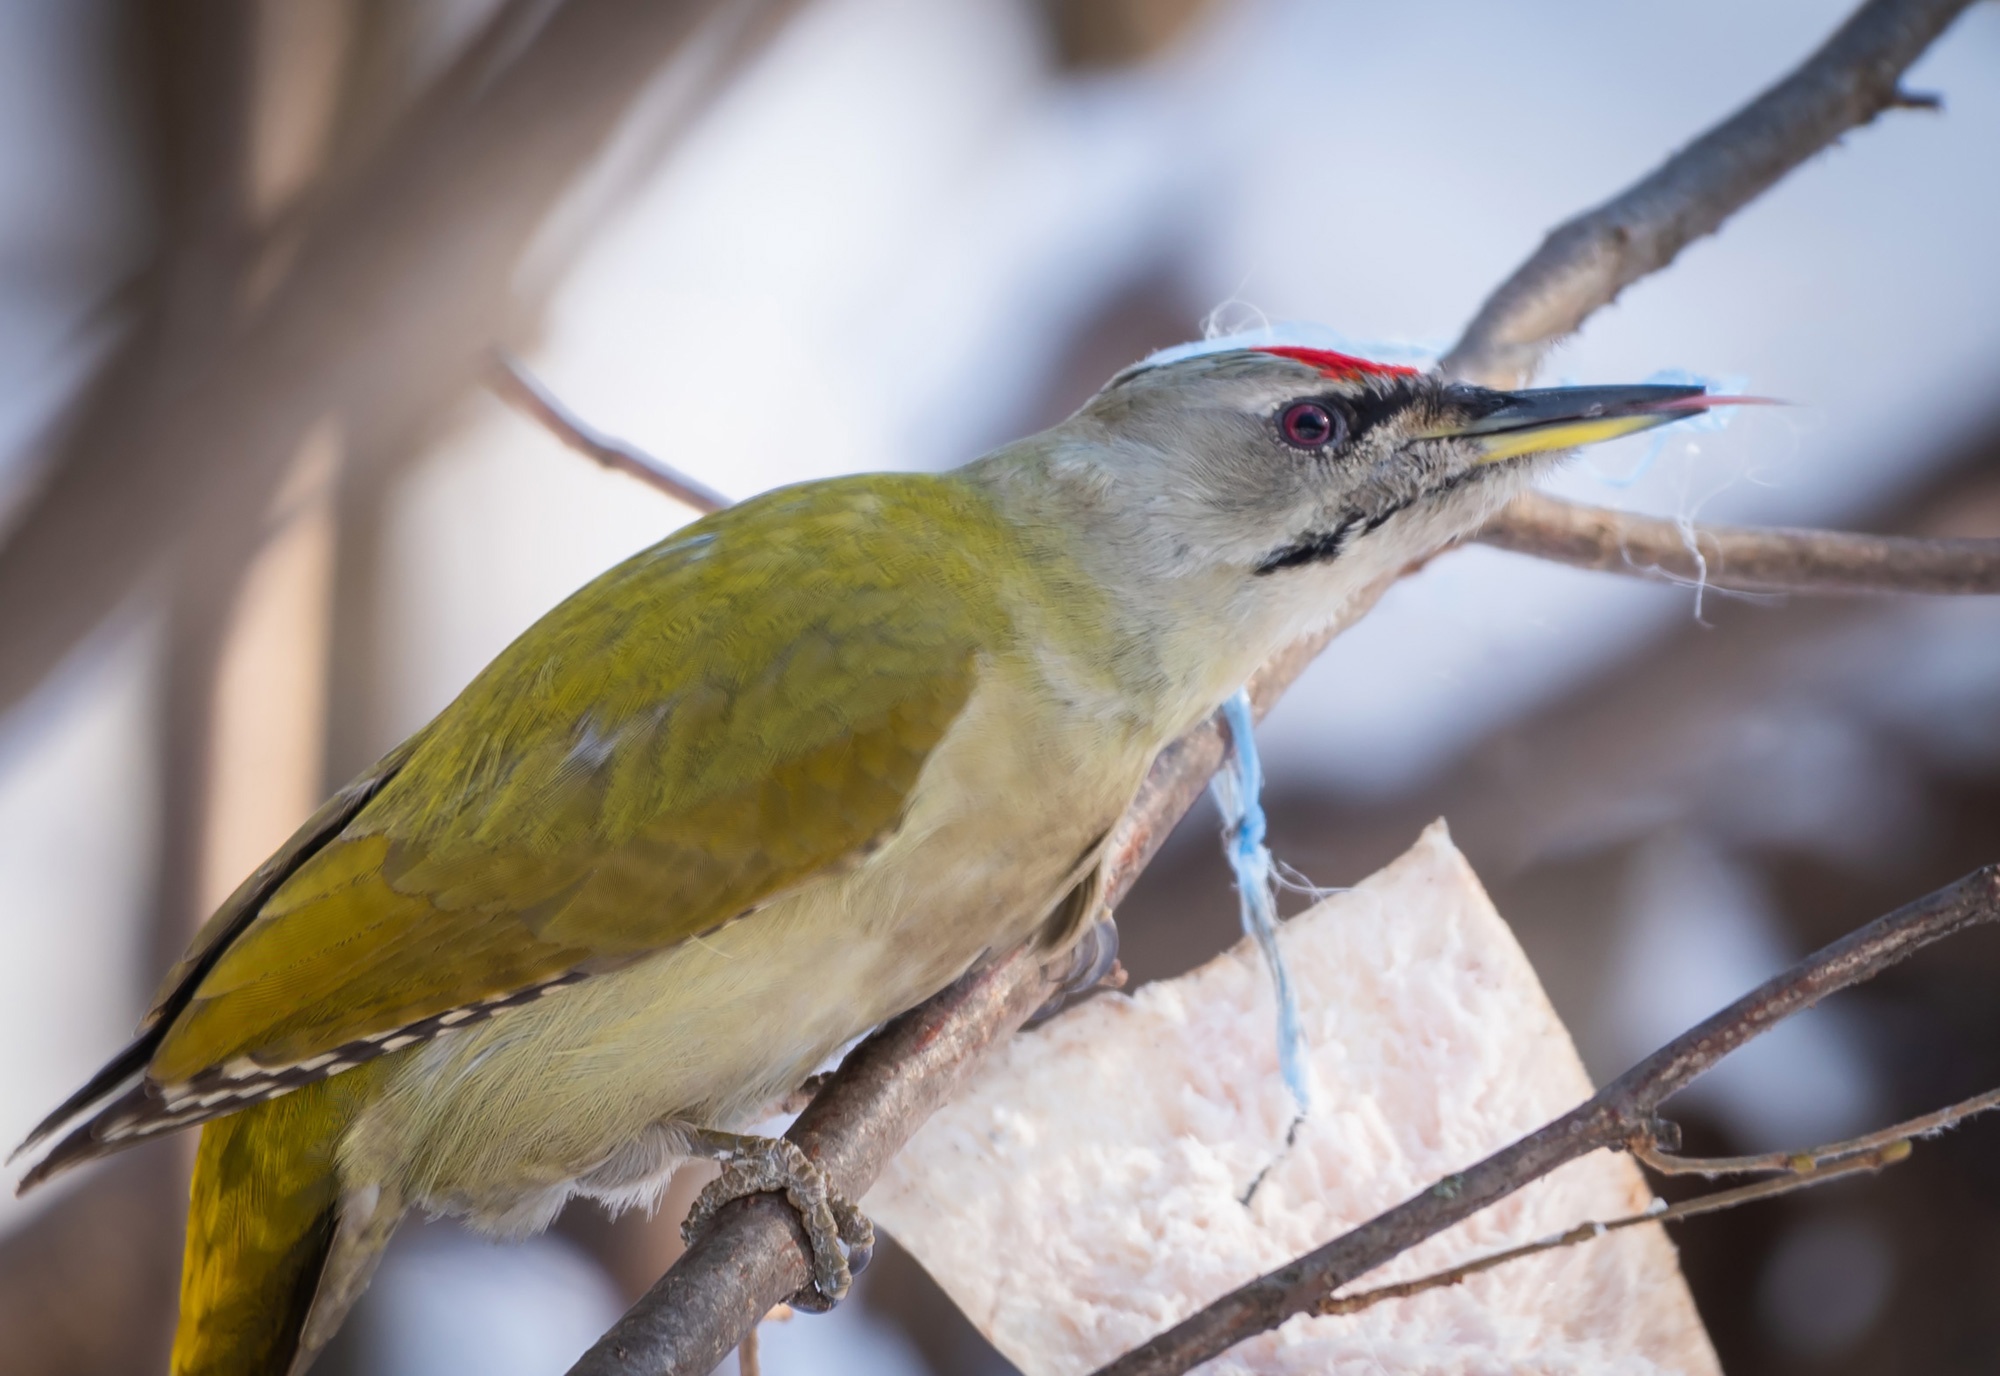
(759, 1165)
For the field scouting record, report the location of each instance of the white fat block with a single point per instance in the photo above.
(1081, 1195)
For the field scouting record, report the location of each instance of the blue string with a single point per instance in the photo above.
(1238, 788)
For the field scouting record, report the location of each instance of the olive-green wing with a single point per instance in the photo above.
(727, 716)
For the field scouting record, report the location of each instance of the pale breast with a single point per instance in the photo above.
(714, 1029)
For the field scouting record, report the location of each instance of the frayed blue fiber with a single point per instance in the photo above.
(1238, 788)
(1700, 421)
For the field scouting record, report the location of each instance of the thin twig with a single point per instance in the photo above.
(749, 1362)
(1618, 1116)
(1796, 1170)
(1739, 558)
(1805, 1162)
(1584, 1232)
(1585, 262)
(511, 381)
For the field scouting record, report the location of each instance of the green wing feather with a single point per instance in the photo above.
(722, 718)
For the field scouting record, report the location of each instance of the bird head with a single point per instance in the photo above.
(1239, 486)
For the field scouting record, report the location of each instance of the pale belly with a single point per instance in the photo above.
(507, 1117)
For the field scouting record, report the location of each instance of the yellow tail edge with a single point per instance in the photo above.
(263, 1211)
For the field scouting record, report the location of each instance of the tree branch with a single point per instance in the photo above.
(1806, 1162)
(1585, 262)
(1622, 1115)
(1711, 1203)
(1738, 558)
(1794, 1170)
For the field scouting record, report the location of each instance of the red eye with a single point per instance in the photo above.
(1309, 425)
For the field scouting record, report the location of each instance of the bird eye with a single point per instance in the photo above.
(1309, 425)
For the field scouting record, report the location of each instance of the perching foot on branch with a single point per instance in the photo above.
(1094, 965)
(759, 1165)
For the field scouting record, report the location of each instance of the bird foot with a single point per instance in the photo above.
(760, 1165)
(1093, 966)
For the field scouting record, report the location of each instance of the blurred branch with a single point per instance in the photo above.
(1585, 262)
(402, 275)
(514, 384)
(1092, 34)
(1622, 1115)
(1742, 559)
(114, 1249)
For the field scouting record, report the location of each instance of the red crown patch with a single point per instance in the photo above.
(1331, 364)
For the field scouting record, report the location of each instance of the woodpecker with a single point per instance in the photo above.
(750, 793)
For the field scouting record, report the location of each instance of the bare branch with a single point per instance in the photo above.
(1585, 1232)
(1795, 1170)
(1743, 559)
(1587, 261)
(1622, 1115)
(514, 384)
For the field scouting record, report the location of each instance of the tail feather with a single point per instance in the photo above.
(123, 1122)
(263, 1219)
(114, 1075)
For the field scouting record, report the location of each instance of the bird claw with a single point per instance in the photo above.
(1093, 965)
(841, 1238)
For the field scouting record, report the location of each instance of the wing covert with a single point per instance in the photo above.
(721, 719)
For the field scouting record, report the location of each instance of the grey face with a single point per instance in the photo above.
(1273, 464)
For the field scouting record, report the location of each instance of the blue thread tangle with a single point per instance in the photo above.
(1238, 788)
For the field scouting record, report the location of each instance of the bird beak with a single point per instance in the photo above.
(1506, 425)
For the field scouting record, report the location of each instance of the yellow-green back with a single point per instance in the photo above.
(637, 768)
